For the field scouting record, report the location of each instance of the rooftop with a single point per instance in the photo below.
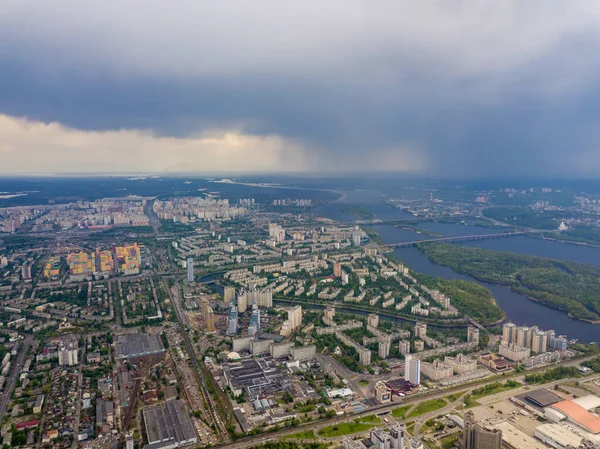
(138, 345)
(540, 397)
(579, 415)
(169, 420)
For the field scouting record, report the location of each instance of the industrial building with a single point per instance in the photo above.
(257, 377)
(577, 412)
(132, 346)
(557, 436)
(513, 438)
(538, 399)
(168, 426)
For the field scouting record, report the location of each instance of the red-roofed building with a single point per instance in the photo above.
(27, 425)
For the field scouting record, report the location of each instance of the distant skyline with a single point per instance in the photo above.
(440, 88)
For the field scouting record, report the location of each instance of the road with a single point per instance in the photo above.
(14, 373)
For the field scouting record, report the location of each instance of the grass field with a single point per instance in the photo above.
(400, 411)
(494, 388)
(454, 396)
(363, 382)
(347, 428)
(428, 406)
(448, 442)
(306, 435)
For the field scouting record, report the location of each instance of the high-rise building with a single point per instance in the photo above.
(68, 353)
(210, 320)
(228, 294)
(295, 317)
(265, 298)
(379, 439)
(190, 270)
(509, 333)
(356, 238)
(412, 370)
(404, 347)
(475, 436)
(337, 269)
(524, 336)
(205, 306)
(233, 319)
(242, 301)
(254, 320)
(420, 330)
(539, 342)
(373, 320)
(472, 335)
(26, 272)
(385, 342)
(364, 356)
(330, 313)
(397, 436)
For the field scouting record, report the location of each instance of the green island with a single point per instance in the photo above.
(400, 411)
(470, 298)
(427, 406)
(358, 425)
(568, 286)
(357, 211)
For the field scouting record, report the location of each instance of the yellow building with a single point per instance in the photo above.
(52, 268)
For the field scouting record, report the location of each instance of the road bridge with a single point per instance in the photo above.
(463, 238)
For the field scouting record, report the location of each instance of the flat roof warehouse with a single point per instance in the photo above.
(138, 345)
(168, 426)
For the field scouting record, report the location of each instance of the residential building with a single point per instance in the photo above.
(68, 353)
(190, 270)
(412, 370)
(472, 335)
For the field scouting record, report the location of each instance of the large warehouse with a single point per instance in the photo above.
(539, 398)
(557, 436)
(138, 345)
(576, 411)
(168, 426)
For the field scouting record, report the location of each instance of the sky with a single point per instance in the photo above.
(447, 88)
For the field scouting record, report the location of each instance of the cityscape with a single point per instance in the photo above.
(227, 322)
(299, 225)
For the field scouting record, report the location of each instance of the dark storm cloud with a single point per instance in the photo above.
(502, 87)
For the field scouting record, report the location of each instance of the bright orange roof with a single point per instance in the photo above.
(580, 415)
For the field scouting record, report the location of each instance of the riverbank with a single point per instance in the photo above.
(570, 287)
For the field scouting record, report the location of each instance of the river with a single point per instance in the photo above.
(518, 308)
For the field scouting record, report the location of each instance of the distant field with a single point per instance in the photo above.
(400, 411)
(428, 406)
(306, 435)
(347, 428)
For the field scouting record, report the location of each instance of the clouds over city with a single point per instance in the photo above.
(446, 87)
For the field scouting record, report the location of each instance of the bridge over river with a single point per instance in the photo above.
(463, 238)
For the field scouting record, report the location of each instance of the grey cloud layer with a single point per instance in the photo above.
(465, 87)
